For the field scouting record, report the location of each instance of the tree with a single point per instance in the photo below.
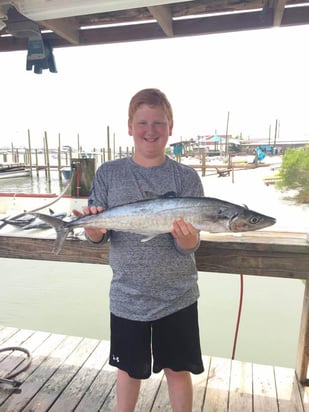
(294, 172)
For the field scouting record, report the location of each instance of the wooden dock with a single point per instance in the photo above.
(69, 373)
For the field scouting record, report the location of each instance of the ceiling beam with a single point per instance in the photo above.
(46, 9)
(278, 12)
(164, 18)
(67, 28)
(292, 16)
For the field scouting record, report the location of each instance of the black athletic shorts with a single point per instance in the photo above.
(173, 342)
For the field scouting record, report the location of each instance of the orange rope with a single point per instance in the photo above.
(239, 314)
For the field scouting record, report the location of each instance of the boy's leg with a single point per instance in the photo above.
(180, 390)
(176, 342)
(127, 390)
(130, 353)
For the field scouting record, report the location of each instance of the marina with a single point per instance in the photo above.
(62, 366)
(227, 384)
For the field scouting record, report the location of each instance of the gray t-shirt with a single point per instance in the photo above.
(155, 278)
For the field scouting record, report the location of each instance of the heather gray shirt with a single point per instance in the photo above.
(151, 279)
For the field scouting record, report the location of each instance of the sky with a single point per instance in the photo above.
(254, 77)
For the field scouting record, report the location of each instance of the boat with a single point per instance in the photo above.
(8, 171)
(14, 205)
(11, 203)
(272, 179)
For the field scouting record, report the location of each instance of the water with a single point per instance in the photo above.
(72, 298)
(34, 184)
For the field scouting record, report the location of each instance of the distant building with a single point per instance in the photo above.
(270, 148)
(183, 148)
(212, 145)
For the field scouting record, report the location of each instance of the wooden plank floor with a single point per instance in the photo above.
(69, 373)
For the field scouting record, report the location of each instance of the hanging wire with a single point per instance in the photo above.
(238, 315)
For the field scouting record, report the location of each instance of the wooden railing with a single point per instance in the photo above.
(264, 253)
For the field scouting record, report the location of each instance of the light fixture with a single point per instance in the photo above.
(54, 9)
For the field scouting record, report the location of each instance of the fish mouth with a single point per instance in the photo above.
(237, 224)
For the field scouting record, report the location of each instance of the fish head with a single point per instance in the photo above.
(245, 220)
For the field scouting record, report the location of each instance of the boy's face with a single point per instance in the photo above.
(150, 129)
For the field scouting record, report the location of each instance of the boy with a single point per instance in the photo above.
(154, 290)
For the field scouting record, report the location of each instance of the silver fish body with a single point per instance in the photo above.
(155, 216)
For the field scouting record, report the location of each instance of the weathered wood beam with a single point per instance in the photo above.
(256, 255)
(187, 27)
(278, 12)
(303, 341)
(294, 16)
(164, 18)
(67, 28)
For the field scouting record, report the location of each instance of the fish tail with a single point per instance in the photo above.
(62, 233)
(60, 228)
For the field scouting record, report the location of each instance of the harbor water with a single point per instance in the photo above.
(72, 298)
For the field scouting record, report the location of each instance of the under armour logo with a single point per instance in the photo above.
(116, 358)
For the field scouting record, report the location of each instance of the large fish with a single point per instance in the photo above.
(152, 217)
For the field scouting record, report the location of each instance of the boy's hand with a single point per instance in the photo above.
(185, 234)
(95, 235)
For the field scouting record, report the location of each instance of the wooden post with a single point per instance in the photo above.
(17, 156)
(30, 152)
(12, 155)
(37, 162)
(70, 157)
(78, 146)
(232, 168)
(203, 164)
(66, 158)
(226, 134)
(59, 158)
(303, 341)
(109, 154)
(47, 157)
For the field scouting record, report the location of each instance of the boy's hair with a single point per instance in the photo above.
(151, 97)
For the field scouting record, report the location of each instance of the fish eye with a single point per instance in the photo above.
(254, 220)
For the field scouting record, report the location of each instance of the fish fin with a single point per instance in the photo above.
(61, 236)
(169, 194)
(60, 227)
(152, 195)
